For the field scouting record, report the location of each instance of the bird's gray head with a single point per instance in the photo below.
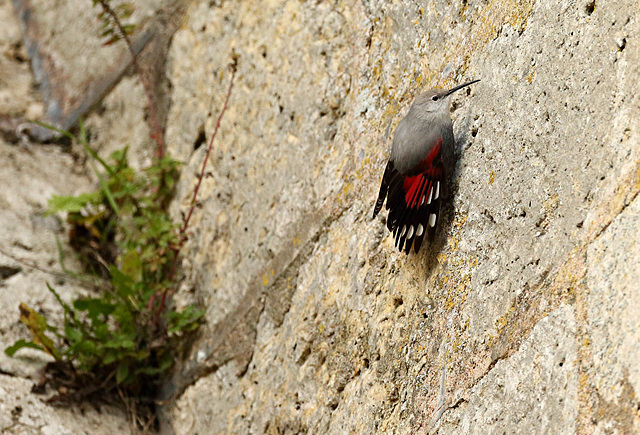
(436, 100)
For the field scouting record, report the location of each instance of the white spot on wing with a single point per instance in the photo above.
(404, 230)
(432, 220)
(437, 190)
(430, 195)
(410, 232)
(419, 230)
(422, 201)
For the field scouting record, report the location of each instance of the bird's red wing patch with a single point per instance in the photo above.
(413, 201)
(411, 186)
(417, 186)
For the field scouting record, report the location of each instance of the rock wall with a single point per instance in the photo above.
(521, 317)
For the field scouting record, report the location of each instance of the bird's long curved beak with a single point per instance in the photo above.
(457, 88)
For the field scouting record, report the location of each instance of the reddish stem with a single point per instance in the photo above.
(192, 207)
(182, 237)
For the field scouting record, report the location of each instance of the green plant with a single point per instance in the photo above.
(124, 336)
(113, 31)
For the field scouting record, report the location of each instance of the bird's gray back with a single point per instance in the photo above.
(415, 138)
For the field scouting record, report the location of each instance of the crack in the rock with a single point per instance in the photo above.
(613, 218)
(8, 271)
(541, 284)
(6, 373)
(222, 351)
(459, 402)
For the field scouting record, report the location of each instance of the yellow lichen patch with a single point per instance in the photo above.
(531, 76)
(473, 261)
(492, 177)
(463, 11)
(520, 11)
(501, 324)
(503, 321)
(551, 203)
(460, 220)
(455, 345)
(453, 285)
(491, 339)
(487, 24)
(266, 277)
(456, 297)
(427, 75)
(453, 243)
(366, 168)
(377, 69)
(348, 187)
(584, 380)
(390, 110)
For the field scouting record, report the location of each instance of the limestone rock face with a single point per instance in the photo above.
(521, 317)
(539, 383)
(74, 64)
(22, 412)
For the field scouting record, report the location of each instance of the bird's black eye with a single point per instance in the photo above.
(434, 98)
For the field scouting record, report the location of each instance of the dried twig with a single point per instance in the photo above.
(156, 129)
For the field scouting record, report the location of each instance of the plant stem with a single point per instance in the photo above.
(156, 129)
(192, 207)
(194, 199)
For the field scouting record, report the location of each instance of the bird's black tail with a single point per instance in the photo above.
(384, 188)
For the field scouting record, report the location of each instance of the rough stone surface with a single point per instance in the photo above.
(29, 176)
(29, 237)
(122, 123)
(520, 317)
(534, 391)
(613, 280)
(315, 323)
(16, 83)
(72, 62)
(23, 413)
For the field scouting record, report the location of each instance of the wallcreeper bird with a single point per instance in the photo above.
(421, 158)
